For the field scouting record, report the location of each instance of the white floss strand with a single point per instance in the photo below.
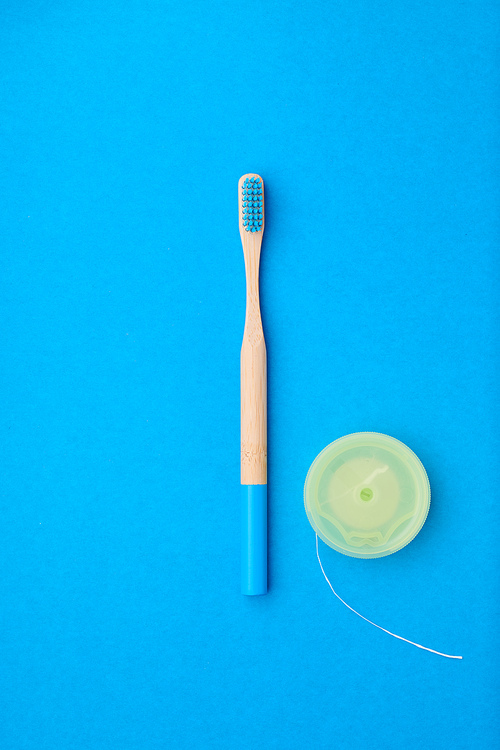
(448, 656)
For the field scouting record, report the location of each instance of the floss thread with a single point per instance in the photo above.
(412, 643)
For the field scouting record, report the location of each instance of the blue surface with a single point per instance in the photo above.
(125, 127)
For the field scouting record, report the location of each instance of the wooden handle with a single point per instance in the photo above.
(253, 412)
(253, 371)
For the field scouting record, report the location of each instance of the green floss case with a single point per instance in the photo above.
(367, 495)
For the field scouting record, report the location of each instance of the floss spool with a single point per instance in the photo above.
(367, 495)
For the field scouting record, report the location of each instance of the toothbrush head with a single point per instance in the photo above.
(251, 201)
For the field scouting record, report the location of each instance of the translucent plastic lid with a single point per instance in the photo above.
(367, 495)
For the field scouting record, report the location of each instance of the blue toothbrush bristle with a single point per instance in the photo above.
(252, 204)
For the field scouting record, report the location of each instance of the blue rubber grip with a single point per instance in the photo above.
(253, 539)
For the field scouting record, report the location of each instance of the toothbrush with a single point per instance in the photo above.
(253, 396)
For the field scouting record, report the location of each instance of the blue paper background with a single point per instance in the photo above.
(125, 127)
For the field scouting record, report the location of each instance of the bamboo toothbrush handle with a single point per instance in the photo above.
(253, 404)
(253, 399)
